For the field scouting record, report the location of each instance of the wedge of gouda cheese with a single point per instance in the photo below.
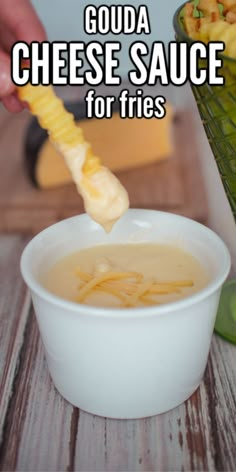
(121, 144)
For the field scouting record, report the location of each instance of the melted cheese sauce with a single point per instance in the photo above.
(105, 198)
(164, 263)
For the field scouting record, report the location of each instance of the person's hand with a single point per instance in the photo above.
(18, 22)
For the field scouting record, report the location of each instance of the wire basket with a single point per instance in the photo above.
(217, 108)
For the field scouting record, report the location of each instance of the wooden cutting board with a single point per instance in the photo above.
(173, 185)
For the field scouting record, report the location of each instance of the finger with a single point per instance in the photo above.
(6, 85)
(12, 104)
(21, 19)
(7, 39)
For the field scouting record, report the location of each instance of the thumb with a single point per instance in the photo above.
(6, 84)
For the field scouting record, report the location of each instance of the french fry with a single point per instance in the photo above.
(59, 123)
(210, 25)
(231, 49)
(215, 30)
(191, 24)
(206, 26)
(105, 198)
(231, 17)
(209, 8)
(204, 21)
(228, 6)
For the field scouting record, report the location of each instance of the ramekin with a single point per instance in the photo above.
(134, 362)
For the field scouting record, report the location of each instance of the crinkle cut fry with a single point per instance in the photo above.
(191, 24)
(231, 17)
(228, 6)
(60, 124)
(212, 25)
(209, 8)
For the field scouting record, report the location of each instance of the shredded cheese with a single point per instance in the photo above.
(129, 287)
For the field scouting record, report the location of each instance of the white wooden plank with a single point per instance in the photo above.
(181, 439)
(14, 309)
(46, 431)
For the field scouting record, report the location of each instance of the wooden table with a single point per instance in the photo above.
(39, 431)
(42, 432)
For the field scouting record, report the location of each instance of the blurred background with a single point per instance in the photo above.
(69, 27)
(64, 21)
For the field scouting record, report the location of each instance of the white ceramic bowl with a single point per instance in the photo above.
(126, 363)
